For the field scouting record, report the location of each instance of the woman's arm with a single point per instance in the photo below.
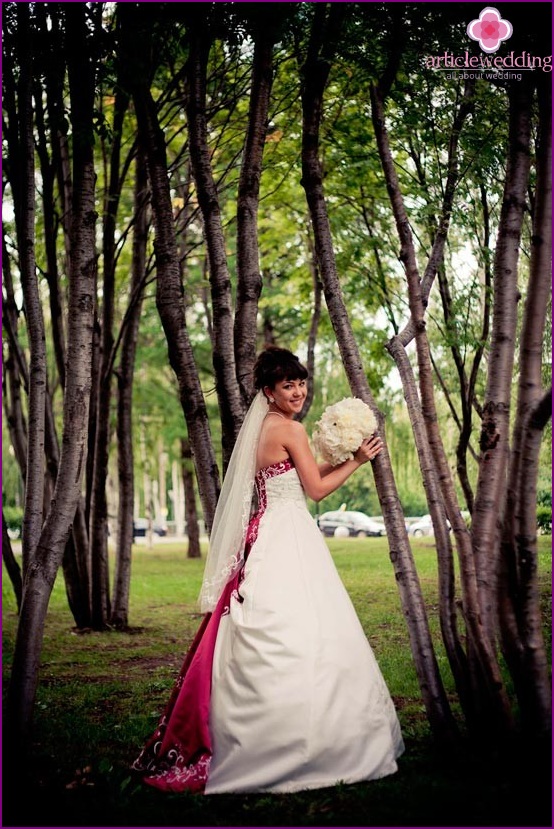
(318, 484)
(325, 468)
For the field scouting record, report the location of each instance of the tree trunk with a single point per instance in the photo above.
(74, 560)
(315, 73)
(12, 567)
(534, 689)
(41, 575)
(50, 233)
(228, 392)
(125, 463)
(76, 568)
(24, 202)
(15, 420)
(490, 702)
(76, 589)
(169, 288)
(465, 432)
(519, 609)
(249, 279)
(98, 523)
(491, 483)
(52, 35)
(14, 369)
(447, 592)
(314, 325)
(191, 515)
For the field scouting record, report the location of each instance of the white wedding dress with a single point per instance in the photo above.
(297, 698)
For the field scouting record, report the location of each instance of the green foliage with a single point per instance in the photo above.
(14, 517)
(544, 518)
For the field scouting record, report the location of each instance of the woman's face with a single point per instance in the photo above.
(289, 395)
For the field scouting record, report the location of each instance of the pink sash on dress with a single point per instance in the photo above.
(177, 756)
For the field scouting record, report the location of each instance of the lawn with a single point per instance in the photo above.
(100, 696)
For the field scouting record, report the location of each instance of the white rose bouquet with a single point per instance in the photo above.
(341, 429)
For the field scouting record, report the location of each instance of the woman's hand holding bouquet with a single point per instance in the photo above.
(345, 431)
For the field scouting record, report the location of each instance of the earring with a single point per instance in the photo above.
(272, 400)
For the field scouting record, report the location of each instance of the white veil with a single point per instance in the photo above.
(232, 513)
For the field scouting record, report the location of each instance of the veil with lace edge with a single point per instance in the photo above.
(232, 514)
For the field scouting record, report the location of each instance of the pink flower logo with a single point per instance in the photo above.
(490, 30)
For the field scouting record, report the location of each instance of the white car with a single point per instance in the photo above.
(424, 526)
(344, 523)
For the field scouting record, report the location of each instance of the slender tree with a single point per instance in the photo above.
(249, 280)
(39, 579)
(315, 72)
(191, 514)
(169, 289)
(486, 668)
(23, 189)
(519, 608)
(10, 562)
(119, 616)
(496, 410)
(98, 522)
(223, 355)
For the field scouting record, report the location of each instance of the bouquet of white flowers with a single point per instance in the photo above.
(341, 429)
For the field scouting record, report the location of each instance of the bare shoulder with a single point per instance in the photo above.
(294, 430)
(293, 426)
(281, 426)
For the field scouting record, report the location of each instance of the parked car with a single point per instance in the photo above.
(355, 523)
(423, 527)
(140, 527)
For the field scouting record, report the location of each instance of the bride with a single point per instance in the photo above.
(280, 690)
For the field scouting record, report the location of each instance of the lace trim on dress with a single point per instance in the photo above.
(233, 509)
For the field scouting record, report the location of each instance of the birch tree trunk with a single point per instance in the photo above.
(47, 172)
(534, 691)
(315, 73)
(249, 279)
(119, 617)
(40, 577)
(52, 34)
(491, 483)
(488, 708)
(191, 515)
(519, 608)
(314, 325)
(15, 372)
(98, 522)
(12, 567)
(169, 288)
(438, 230)
(228, 393)
(24, 203)
(16, 369)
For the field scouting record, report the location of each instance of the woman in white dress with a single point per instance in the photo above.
(280, 690)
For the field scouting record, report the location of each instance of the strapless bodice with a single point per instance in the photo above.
(277, 483)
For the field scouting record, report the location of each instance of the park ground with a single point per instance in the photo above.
(101, 694)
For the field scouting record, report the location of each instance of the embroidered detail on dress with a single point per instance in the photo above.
(178, 776)
(262, 476)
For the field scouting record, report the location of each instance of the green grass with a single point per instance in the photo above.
(100, 696)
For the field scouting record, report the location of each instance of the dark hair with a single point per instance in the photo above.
(275, 364)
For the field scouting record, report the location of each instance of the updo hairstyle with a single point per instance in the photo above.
(275, 364)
